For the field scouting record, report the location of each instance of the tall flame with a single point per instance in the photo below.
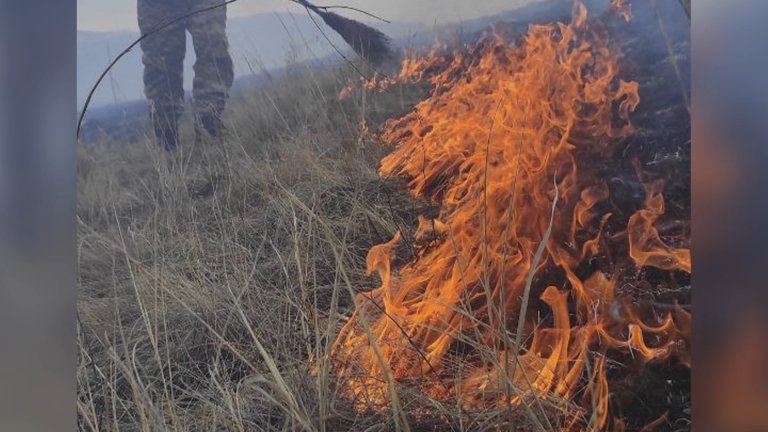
(507, 146)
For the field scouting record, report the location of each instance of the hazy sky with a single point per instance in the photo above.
(108, 15)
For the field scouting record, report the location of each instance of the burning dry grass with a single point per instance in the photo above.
(507, 145)
(214, 283)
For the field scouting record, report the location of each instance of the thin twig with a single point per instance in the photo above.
(672, 58)
(529, 278)
(486, 265)
(408, 338)
(353, 9)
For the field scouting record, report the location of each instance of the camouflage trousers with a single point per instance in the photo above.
(163, 58)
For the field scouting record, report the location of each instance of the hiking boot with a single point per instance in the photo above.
(167, 137)
(166, 127)
(209, 126)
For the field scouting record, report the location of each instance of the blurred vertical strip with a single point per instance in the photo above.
(730, 215)
(687, 7)
(37, 215)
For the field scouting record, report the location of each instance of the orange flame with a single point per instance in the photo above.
(623, 8)
(502, 123)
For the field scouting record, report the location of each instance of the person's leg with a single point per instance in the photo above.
(213, 68)
(163, 58)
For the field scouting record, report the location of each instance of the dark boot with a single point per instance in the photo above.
(166, 128)
(167, 137)
(212, 124)
(209, 125)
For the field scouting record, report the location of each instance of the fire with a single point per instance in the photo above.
(507, 146)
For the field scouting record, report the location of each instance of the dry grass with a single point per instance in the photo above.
(214, 281)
